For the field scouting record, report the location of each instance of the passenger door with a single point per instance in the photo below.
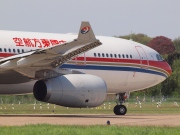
(143, 57)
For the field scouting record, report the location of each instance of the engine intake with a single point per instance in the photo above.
(73, 90)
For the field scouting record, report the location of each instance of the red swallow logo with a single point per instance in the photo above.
(85, 29)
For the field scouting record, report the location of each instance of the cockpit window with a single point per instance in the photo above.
(159, 58)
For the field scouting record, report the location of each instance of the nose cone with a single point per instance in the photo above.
(165, 68)
(168, 68)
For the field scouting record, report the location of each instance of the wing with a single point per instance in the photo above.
(30, 63)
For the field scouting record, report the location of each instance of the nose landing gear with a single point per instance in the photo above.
(120, 109)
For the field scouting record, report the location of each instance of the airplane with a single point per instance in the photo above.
(77, 70)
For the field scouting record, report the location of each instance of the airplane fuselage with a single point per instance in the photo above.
(123, 64)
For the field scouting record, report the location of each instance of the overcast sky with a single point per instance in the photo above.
(107, 17)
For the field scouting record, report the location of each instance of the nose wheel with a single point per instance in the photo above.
(120, 110)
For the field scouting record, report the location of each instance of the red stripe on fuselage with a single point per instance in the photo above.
(159, 64)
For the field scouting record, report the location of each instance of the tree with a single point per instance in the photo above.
(140, 38)
(169, 86)
(162, 45)
(176, 42)
(172, 57)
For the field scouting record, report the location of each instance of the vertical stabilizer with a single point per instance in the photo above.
(86, 32)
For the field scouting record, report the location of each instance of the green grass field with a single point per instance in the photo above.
(87, 130)
(146, 108)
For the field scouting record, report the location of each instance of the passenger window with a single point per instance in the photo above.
(107, 55)
(18, 51)
(14, 50)
(9, 50)
(94, 54)
(111, 55)
(22, 50)
(103, 54)
(99, 54)
(4, 49)
(127, 56)
(131, 56)
(119, 55)
(115, 55)
(0, 50)
(123, 55)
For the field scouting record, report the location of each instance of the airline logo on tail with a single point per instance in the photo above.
(85, 29)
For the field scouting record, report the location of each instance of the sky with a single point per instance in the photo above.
(107, 17)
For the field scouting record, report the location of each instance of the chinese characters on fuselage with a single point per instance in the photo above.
(40, 43)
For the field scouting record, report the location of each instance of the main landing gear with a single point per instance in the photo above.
(120, 109)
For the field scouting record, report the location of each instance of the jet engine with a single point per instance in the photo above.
(72, 90)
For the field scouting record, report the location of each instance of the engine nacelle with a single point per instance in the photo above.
(73, 90)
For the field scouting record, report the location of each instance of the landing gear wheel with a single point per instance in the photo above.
(116, 108)
(120, 110)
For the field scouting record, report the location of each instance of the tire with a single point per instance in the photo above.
(120, 110)
(116, 108)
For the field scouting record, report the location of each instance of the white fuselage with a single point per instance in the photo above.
(123, 64)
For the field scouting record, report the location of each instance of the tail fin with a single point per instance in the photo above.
(86, 32)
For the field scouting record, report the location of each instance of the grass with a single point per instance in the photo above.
(45, 129)
(146, 108)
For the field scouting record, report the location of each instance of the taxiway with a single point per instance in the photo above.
(84, 119)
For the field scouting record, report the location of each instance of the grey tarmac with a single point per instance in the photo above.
(90, 119)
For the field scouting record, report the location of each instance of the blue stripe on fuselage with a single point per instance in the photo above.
(97, 67)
